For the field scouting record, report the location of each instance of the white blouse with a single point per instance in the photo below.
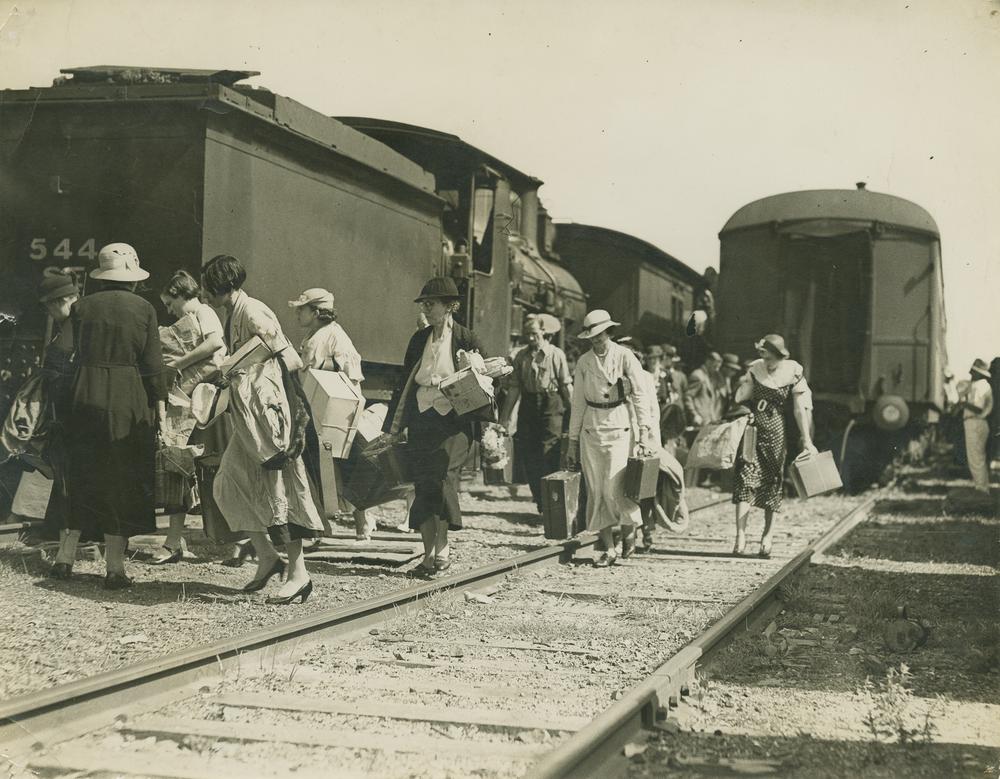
(786, 373)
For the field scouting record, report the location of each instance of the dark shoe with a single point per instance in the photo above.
(245, 551)
(173, 556)
(442, 565)
(116, 581)
(628, 547)
(254, 585)
(423, 571)
(60, 571)
(302, 593)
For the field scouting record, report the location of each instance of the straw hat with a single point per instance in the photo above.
(980, 367)
(118, 262)
(597, 321)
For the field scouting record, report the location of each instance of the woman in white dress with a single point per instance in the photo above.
(260, 488)
(607, 378)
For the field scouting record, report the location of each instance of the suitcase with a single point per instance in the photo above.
(815, 475)
(213, 523)
(376, 473)
(561, 504)
(641, 476)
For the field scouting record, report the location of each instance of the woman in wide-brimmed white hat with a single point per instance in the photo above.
(110, 431)
(769, 384)
(607, 378)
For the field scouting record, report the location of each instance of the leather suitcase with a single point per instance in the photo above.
(815, 475)
(561, 504)
(641, 476)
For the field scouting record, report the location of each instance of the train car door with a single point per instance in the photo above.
(488, 293)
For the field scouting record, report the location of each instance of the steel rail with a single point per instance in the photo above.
(59, 712)
(589, 751)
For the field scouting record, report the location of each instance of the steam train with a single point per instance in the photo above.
(185, 164)
(853, 280)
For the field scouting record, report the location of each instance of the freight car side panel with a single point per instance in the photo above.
(662, 303)
(81, 176)
(903, 279)
(298, 223)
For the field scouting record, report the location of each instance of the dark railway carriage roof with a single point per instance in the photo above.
(834, 204)
(613, 238)
(385, 129)
(218, 91)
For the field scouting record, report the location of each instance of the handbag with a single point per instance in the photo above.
(717, 445)
(25, 430)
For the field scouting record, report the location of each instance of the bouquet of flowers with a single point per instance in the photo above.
(494, 447)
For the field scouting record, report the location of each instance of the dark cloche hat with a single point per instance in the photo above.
(774, 343)
(439, 288)
(56, 284)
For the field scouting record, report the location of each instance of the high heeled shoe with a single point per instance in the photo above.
(116, 581)
(765, 547)
(172, 556)
(302, 593)
(244, 552)
(740, 547)
(255, 585)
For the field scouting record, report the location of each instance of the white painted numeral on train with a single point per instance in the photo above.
(39, 251)
(88, 250)
(62, 249)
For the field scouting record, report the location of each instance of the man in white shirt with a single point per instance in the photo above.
(976, 409)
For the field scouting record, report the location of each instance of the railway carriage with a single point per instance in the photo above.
(853, 280)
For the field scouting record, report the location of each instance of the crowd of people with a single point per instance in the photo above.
(122, 390)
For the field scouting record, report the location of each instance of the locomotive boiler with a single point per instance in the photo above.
(853, 280)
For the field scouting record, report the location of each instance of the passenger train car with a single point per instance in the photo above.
(853, 280)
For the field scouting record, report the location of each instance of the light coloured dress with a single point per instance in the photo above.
(251, 497)
(605, 434)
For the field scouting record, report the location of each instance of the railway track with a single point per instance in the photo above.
(427, 681)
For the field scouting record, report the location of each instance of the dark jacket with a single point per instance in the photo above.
(405, 396)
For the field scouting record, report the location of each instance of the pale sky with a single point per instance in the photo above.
(655, 117)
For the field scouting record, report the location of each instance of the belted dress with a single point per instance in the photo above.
(110, 431)
(766, 394)
(600, 419)
(253, 498)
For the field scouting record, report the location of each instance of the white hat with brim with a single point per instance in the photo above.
(980, 367)
(317, 296)
(118, 262)
(597, 321)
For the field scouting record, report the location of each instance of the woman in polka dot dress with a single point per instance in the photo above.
(766, 388)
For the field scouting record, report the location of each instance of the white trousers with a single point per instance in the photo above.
(977, 434)
(604, 455)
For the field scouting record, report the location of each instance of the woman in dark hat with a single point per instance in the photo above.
(111, 426)
(57, 293)
(439, 439)
(770, 383)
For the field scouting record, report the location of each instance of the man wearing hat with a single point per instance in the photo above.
(728, 373)
(976, 409)
(671, 389)
(438, 438)
(544, 387)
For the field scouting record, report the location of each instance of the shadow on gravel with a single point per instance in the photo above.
(517, 517)
(959, 542)
(925, 488)
(91, 587)
(718, 754)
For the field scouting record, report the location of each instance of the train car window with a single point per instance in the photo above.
(482, 231)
